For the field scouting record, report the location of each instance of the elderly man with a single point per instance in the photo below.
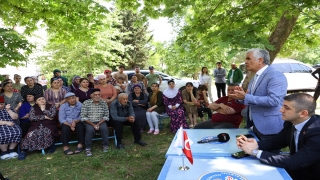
(264, 96)
(228, 112)
(95, 113)
(70, 120)
(235, 75)
(301, 133)
(122, 114)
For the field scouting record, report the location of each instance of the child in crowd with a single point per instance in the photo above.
(121, 84)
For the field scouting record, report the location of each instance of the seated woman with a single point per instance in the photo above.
(55, 95)
(190, 100)
(156, 107)
(13, 98)
(172, 100)
(139, 102)
(203, 102)
(42, 129)
(108, 92)
(83, 93)
(134, 81)
(75, 83)
(31, 87)
(24, 120)
(10, 132)
(121, 84)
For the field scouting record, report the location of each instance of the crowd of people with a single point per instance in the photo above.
(31, 114)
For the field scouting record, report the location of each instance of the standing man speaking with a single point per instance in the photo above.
(265, 95)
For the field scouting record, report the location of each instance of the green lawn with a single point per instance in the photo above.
(135, 162)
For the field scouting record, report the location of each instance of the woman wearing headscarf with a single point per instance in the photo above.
(139, 102)
(75, 83)
(173, 101)
(10, 132)
(156, 107)
(190, 102)
(13, 98)
(134, 81)
(43, 128)
(108, 92)
(31, 87)
(83, 93)
(109, 78)
(55, 95)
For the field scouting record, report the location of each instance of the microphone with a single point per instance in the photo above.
(222, 137)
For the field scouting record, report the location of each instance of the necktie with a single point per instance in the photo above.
(292, 140)
(251, 92)
(254, 83)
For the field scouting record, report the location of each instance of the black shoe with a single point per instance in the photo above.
(140, 142)
(120, 146)
(52, 149)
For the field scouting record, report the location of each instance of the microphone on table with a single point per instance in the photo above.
(222, 137)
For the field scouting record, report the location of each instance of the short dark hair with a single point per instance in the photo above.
(233, 84)
(302, 101)
(203, 87)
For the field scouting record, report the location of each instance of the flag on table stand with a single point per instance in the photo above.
(181, 145)
(186, 150)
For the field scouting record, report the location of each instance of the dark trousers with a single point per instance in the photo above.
(221, 88)
(24, 127)
(265, 137)
(200, 110)
(316, 93)
(90, 131)
(118, 127)
(66, 131)
(209, 125)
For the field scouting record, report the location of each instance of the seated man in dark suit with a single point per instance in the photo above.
(301, 133)
(228, 112)
(122, 113)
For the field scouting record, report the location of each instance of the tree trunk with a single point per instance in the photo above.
(282, 32)
(277, 38)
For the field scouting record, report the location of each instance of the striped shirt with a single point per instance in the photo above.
(94, 112)
(53, 98)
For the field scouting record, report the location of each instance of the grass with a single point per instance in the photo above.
(135, 162)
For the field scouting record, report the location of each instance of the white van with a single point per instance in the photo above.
(297, 73)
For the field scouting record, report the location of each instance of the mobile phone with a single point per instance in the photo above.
(240, 154)
(246, 135)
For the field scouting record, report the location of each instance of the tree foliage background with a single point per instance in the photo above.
(85, 36)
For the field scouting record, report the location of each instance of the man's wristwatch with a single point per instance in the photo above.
(255, 152)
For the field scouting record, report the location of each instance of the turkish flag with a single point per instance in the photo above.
(186, 150)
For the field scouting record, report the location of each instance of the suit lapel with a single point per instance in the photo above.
(260, 79)
(304, 130)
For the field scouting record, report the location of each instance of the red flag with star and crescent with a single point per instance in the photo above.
(186, 150)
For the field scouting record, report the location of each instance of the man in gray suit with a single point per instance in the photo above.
(264, 96)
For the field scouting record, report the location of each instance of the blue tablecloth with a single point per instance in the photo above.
(211, 149)
(248, 168)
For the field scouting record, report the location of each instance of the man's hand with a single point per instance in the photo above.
(247, 144)
(239, 93)
(130, 119)
(149, 110)
(96, 126)
(42, 107)
(46, 117)
(227, 109)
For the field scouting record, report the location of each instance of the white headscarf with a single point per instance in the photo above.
(171, 93)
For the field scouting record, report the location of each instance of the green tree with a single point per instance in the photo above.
(66, 21)
(14, 48)
(136, 39)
